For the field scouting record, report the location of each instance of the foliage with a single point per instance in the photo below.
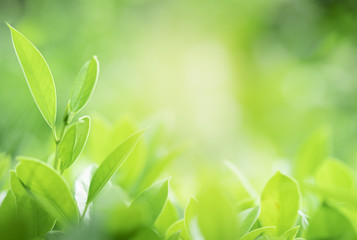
(47, 199)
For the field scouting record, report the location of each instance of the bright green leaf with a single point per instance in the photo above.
(280, 202)
(153, 200)
(49, 189)
(73, 142)
(84, 85)
(110, 165)
(37, 74)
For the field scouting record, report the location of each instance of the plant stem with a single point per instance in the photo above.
(58, 139)
(84, 212)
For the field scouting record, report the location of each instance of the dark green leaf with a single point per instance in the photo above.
(38, 221)
(49, 189)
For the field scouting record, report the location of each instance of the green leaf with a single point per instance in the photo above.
(168, 216)
(155, 168)
(49, 189)
(178, 227)
(37, 74)
(38, 221)
(333, 174)
(216, 216)
(73, 142)
(239, 185)
(313, 152)
(81, 187)
(329, 223)
(280, 201)
(153, 200)
(175, 236)
(257, 232)
(247, 220)
(290, 234)
(133, 167)
(84, 85)
(111, 164)
(191, 212)
(146, 234)
(5, 162)
(9, 222)
(55, 235)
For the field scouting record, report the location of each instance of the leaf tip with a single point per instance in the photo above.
(8, 25)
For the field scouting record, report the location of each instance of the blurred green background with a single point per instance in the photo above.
(245, 81)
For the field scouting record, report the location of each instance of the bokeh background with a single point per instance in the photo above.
(244, 81)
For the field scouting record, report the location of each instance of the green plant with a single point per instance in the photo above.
(45, 200)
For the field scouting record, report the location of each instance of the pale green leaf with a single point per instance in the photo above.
(153, 200)
(257, 232)
(55, 235)
(216, 216)
(73, 142)
(5, 162)
(49, 189)
(247, 218)
(38, 221)
(38, 76)
(168, 216)
(84, 85)
(81, 187)
(329, 223)
(290, 234)
(333, 174)
(155, 168)
(237, 184)
(280, 202)
(178, 227)
(175, 236)
(313, 152)
(191, 212)
(111, 164)
(132, 168)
